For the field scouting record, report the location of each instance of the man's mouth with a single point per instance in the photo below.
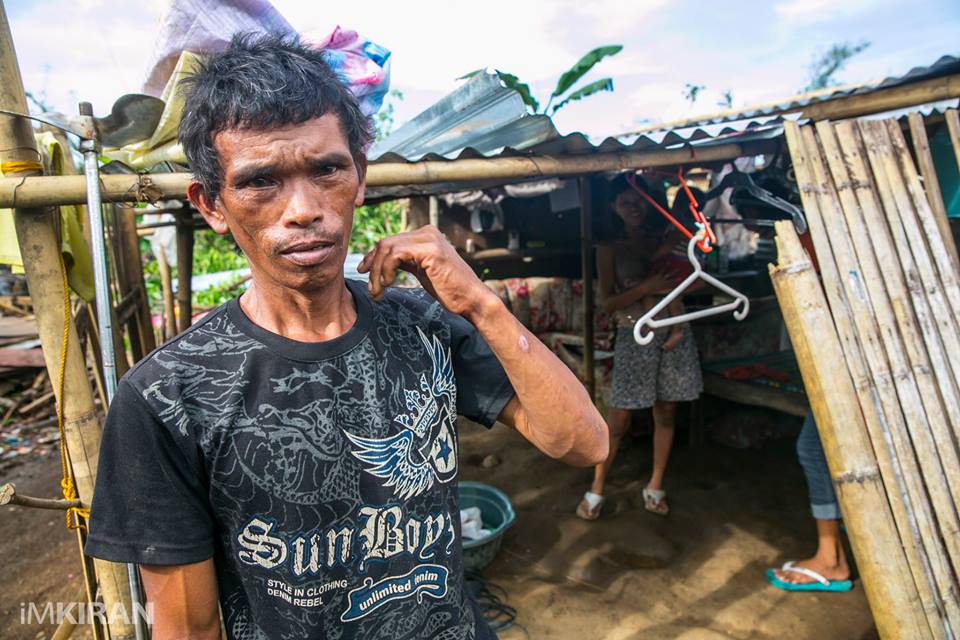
(308, 254)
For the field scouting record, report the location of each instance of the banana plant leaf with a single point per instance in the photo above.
(587, 62)
(604, 84)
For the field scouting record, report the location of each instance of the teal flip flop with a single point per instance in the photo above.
(819, 582)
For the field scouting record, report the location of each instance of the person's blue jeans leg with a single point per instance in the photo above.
(823, 499)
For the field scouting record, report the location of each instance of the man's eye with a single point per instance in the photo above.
(327, 170)
(259, 183)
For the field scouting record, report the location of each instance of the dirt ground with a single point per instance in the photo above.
(697, 574)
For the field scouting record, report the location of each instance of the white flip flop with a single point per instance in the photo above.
(594, 503)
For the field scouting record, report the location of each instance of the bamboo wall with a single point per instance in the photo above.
(883, 371)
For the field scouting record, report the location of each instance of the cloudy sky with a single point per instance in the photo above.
(758, 50)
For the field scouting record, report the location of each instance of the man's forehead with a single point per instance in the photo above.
(318, 136)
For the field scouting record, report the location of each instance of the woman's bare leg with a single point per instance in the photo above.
(617, 420)
(664, 414)
(830, 560)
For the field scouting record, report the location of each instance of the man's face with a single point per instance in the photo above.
(288, 196)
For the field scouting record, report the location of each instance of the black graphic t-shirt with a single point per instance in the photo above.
(321, 477)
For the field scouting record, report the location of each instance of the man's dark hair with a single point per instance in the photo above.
(262, 81)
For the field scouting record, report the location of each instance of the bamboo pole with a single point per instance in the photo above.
(169, 308)
(937, 331)
(898, 206)
(931, 183)
(129, 243)
(889, 588)
(40, 249)
(891, 318)
(882, 418)
(953, 129)
(931, 232)
(185, 238)
(586, 277)
(55, 190)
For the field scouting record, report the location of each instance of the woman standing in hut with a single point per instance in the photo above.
(657, 375)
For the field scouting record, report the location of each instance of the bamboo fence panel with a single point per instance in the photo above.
(890, 590)
(890, 279)
(886, 421)
(887, 435)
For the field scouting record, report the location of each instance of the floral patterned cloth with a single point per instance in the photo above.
(552, 308)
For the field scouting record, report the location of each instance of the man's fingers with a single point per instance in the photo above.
(388, 270)
(364, 265)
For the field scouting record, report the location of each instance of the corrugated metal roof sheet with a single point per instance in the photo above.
(946, 65)
(484, 119)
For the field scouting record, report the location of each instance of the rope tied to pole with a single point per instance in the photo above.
(76, 516)
(19, 166)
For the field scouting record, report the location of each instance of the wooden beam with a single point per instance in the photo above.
(56, 190)
(794, 404)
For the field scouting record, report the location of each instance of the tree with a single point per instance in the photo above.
(726, 99)
(692, 91)
(565, 83)
(826, 64)
(384, 120)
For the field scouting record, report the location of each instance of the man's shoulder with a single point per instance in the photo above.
(201, 341)
(411, 306)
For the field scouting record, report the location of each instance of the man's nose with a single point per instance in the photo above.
(304, 206)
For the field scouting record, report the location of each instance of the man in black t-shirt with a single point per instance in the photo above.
(291, 460)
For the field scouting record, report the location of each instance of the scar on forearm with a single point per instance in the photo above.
(523, 344)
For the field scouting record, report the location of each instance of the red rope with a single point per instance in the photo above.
(708, 239)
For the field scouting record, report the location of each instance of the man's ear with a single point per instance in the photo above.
(207, 207)
(362, 174)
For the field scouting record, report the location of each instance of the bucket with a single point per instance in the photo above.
(497, 515)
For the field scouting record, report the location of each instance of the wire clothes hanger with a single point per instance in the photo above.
(703, 239)
(737, 179)
(740, 304)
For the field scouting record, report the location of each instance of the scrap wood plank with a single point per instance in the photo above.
(17, 327)
(21, 358)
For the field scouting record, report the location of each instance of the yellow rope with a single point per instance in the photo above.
(79, 514)
(16, 166)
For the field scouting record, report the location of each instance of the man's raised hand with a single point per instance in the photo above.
(427, 254)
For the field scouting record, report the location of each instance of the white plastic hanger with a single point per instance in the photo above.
(740, 304)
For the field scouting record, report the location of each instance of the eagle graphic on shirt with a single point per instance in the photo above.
(424, 450)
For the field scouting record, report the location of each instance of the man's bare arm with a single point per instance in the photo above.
(184, 599)
(551, 408)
